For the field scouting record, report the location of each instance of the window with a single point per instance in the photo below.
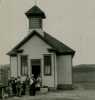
(47, 64)
(24, 65)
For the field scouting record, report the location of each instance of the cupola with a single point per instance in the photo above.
(35, 16)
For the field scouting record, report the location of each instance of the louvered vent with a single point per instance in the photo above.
(35, 23)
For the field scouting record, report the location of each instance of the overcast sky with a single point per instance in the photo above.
(71, 21)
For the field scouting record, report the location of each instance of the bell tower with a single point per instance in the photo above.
(35, 16)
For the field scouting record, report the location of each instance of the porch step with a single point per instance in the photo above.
(43, 90)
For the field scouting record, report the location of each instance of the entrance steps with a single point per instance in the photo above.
(43, 90)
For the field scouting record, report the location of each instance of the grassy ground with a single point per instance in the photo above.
(61, 95)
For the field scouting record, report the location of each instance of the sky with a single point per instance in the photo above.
(70, 21)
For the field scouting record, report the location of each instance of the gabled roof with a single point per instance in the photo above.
(35, 11)
(57, 46)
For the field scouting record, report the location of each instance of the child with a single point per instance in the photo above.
(18, 86)
(9, 88)
(38, 83)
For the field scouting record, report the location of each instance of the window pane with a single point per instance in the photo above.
(47, 64)
(24, 65)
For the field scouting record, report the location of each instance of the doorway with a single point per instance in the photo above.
(36, 67)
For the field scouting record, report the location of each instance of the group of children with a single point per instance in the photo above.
(19, 87)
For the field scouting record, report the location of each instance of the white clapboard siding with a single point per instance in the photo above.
(64, 69)
(13, 63)
(35, 48)
(50, 80)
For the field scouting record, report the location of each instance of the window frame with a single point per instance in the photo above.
(50, 73)
(25, 73)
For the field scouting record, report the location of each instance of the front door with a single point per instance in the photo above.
(35, 67)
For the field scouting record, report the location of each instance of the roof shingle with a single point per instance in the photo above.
(35, 11)
(58, 46)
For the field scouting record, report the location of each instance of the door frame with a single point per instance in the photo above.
(35, 64)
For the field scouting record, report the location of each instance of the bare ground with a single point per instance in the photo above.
(61, 95)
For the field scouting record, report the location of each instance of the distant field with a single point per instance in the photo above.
(85, 85)
(84, 76)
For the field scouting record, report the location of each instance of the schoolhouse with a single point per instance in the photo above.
(42, 55)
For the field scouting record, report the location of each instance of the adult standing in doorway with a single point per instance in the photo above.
(32, 86)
